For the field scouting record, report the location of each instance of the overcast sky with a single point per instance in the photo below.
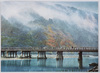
(12, 7)
(20, 11)
(92, 6)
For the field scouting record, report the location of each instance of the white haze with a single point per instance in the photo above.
(48, 10)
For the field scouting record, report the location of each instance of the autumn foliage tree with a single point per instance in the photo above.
(51, 42)
(58, 38)
(65, 39)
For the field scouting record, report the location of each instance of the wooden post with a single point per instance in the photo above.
(22, 53)
(6, 53)
(80, 60)
(10, 54)
(59, 55)
(3, 54)
(16, 54)
(30, 54)
(13, 54)
(27, 54)
(41, 55)
(80, 55)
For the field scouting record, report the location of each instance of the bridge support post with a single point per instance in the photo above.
(29, 54)
(16, 54)
(13, 54)
(59, 55)
(2, 53)
(10, 54)
(41, 55)
(26, 54)
(6, 53)
(80, 60)
(22, 53)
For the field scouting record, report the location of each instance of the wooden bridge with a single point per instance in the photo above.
(65, 49)
(9, 52)
(41, 51)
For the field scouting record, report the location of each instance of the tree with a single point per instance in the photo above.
(63, 39)
(58, 38)
(51, 42)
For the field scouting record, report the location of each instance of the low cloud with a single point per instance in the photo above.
(48, 10)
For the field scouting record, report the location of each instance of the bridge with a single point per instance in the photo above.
(41, 51)
(11, 52)
(65, 49)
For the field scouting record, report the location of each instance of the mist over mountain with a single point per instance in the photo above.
(40, 24)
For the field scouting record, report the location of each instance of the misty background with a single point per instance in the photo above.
(52, 24)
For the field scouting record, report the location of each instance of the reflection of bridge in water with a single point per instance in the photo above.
(37, 63)
(21, 63)
(60, 63)
(26, 52)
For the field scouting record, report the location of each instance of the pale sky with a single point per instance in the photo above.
(21, 11)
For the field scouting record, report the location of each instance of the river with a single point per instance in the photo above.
(68, 64)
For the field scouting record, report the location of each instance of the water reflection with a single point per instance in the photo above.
(70, 64)
(41, 62)
(80, 64)
(25, 62)
(8, 63)
(59, 63)
(16, 63)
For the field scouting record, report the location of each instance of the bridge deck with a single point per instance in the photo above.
(83, 49)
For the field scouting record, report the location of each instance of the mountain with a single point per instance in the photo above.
(71, 27)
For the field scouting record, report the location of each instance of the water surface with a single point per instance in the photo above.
(48, 65)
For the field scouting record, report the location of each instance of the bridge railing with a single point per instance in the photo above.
(74, 48)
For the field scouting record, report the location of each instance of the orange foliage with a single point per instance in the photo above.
(50, 44)
(51, 40)
(63, 42)
(60, 40)
(66, 40)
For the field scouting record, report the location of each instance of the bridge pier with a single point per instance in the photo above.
(2, 53)
(6, 53)
(26, 54)
(41, 55)
(80, 60)
(59, 55)
(13, 54)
